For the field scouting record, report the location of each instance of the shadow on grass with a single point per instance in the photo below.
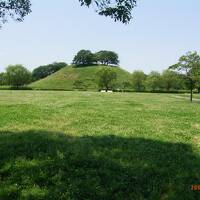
(42, 165)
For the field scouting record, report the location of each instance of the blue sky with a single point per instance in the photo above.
(159, 33)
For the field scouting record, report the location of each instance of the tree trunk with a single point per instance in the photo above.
(191, 89)
(191, 94)
(198, 89)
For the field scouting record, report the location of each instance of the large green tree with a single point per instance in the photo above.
(106, 78)
(119, 10)
(106, 57)
(17, 75)
(83, 58)
(189, 66)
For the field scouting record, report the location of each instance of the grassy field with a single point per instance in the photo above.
(66, 78)
(87, 145)
(195, 96)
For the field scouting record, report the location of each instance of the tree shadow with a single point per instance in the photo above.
(43, 165)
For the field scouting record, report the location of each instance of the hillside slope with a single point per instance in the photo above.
(78, 78)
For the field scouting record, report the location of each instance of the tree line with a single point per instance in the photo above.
(18, 76)
(167, 81)
(184, 75)
(86, 57)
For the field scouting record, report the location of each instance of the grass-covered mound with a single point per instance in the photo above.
(78, 78)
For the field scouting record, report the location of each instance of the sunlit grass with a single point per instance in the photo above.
(87, 145)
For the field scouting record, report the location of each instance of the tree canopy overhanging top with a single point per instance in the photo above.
(119, 10)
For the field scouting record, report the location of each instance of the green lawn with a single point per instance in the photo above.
(195, 96)
(87, 145)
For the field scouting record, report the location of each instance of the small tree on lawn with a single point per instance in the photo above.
(106, 78)
(189, 65)
(17, 75)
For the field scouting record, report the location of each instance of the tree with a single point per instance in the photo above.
(83, 58)
(197, 77)
(189, 66)
(125, 85)
(106, 58)
(3, 78)
(197, 82)
(106, 78)
(138, 80)
(16, 9)
(46, 70)
(119, 10)
(172, 80)
(17, 75)
(154, 81)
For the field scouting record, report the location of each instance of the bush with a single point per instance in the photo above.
(46, 70)
(106, 79)
(17, 76)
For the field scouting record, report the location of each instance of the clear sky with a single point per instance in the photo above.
(159, 33)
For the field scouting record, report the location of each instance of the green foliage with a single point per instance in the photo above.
(138, 80)
(172, 80)
(16, 9)
(106, 78)
(124, 85)
(86, 57)
(3, 80)
(106, 58)
(83, 58)
(119, 10)
(87, 145)
(154, 81)
(189, 66)
(17, 75)
(167, 81)
(46, 70)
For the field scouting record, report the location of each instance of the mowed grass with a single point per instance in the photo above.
(87, 145)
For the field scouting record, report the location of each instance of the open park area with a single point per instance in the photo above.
(90, 145)
(99, 100)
